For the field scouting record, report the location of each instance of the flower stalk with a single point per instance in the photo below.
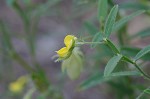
(82, 43)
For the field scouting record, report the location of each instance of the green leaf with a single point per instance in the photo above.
(147, 91)
(142, 52)
(10, 2)
(43, 8)
(125, 73)
(92, 30)
(112, 46)
(97, 38)
(102, 9)
(6, 38)
(27, 2)
(110, 21)
(143, 33)
(21, 13)
(92, 81)
(134, 5)
(124, 20)
(112, 63)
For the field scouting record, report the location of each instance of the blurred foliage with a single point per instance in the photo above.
(100, 19)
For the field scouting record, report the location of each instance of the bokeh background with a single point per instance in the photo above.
(49, 22)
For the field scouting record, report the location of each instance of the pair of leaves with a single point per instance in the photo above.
(110, 24)
(102, 14)
(113, 61)
(124, 20)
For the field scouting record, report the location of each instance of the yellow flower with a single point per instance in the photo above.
(18, 85)
(63, 52)
(15, 87)
(69, 42)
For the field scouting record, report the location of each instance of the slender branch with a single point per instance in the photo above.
(22, 62)
(81, 43)
(137, 67)
(85, 38)
(139, 97)
(144, 74)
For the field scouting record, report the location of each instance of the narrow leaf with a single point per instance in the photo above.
(124, 20)
(125, 73)
(134, 5)
(110, 21)
(142, 52)
(111, 65)
(5, 36)
(102, 9)
(143, 33)
(113, 47)
(21, 13)
(147, 91)
(29, 94)
(9, 2)
(92, 81)
(92, 30)
(97, 38)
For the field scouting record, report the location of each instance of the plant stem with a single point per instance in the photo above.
(137, 67)
(145, 75)
(139, 97)
(81, 43)
(22, 62)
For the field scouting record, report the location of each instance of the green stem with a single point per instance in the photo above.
(137, 67)
(144, 74)
(139, 97)
(81, 43)
(22, 62)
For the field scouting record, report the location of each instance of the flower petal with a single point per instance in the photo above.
(69, 40)
(62, 52)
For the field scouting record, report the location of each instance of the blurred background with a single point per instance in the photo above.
(32, 30)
